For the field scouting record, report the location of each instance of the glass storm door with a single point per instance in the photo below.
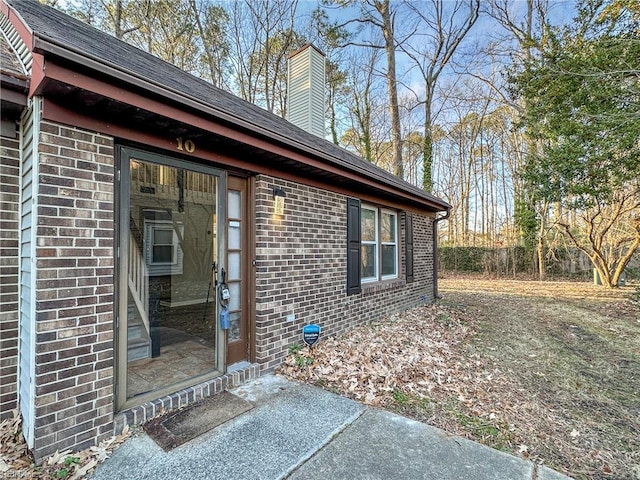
(170, 215)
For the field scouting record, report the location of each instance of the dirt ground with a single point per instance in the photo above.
(545, 370)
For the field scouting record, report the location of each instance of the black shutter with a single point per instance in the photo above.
(408, 245)
(353, 246)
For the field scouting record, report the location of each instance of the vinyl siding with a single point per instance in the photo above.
(306, 98)
(26, 346)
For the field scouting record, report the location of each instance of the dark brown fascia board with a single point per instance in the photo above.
(14, 83)
(12, 99)
(13, 91)
(43, 44)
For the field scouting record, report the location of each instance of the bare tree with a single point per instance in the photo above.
(440, 31)
(524, 37)
(609, 234)
(263, 34)
(212, 22)
(381, 15)
(362, 85)
(124, 15)
(386, 24)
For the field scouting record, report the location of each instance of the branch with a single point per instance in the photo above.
(627, 257)
(367, 45)
(574, 240)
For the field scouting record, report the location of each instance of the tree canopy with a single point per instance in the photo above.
(582, 101)
(581, 97)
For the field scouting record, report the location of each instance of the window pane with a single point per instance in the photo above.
(233, 268)
(388, 227)
(162, 254)
(389, 260)
(234, 290)
(234, 204)
(163, 237)
(234, 235)
(368, 224)
(368, 260)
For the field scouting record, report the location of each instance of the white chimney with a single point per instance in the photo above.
(306, 84)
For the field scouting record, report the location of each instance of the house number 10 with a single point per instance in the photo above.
(187, 145)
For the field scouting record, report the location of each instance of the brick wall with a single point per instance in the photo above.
(74, 290)
(9, 203)
(301, 269)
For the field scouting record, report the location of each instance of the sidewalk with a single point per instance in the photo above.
(298, 431)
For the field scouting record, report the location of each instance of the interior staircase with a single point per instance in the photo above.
(138, 341)
(138, 332)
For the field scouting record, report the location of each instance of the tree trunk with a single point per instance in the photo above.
(427, 155)
(540, 247)
(118, 20)
(603, 272)
(390, 48)
(542, 272)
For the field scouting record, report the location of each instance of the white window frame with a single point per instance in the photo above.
(378, 244)
(163, 268)
(395, 244)
(375, 244)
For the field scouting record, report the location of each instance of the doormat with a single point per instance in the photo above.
(174, 429)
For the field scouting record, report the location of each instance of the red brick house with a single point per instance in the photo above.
(163, 240)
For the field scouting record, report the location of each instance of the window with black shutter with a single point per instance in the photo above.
(408, 242)
(353, 246)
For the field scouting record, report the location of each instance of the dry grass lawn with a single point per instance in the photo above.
(549, 371)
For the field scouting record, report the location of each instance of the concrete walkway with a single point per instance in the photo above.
(297, 431)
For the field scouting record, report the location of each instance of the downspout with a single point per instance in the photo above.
(436, 295)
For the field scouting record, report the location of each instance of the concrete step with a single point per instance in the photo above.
(138, 349)
(138, 342)
(136, 330)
